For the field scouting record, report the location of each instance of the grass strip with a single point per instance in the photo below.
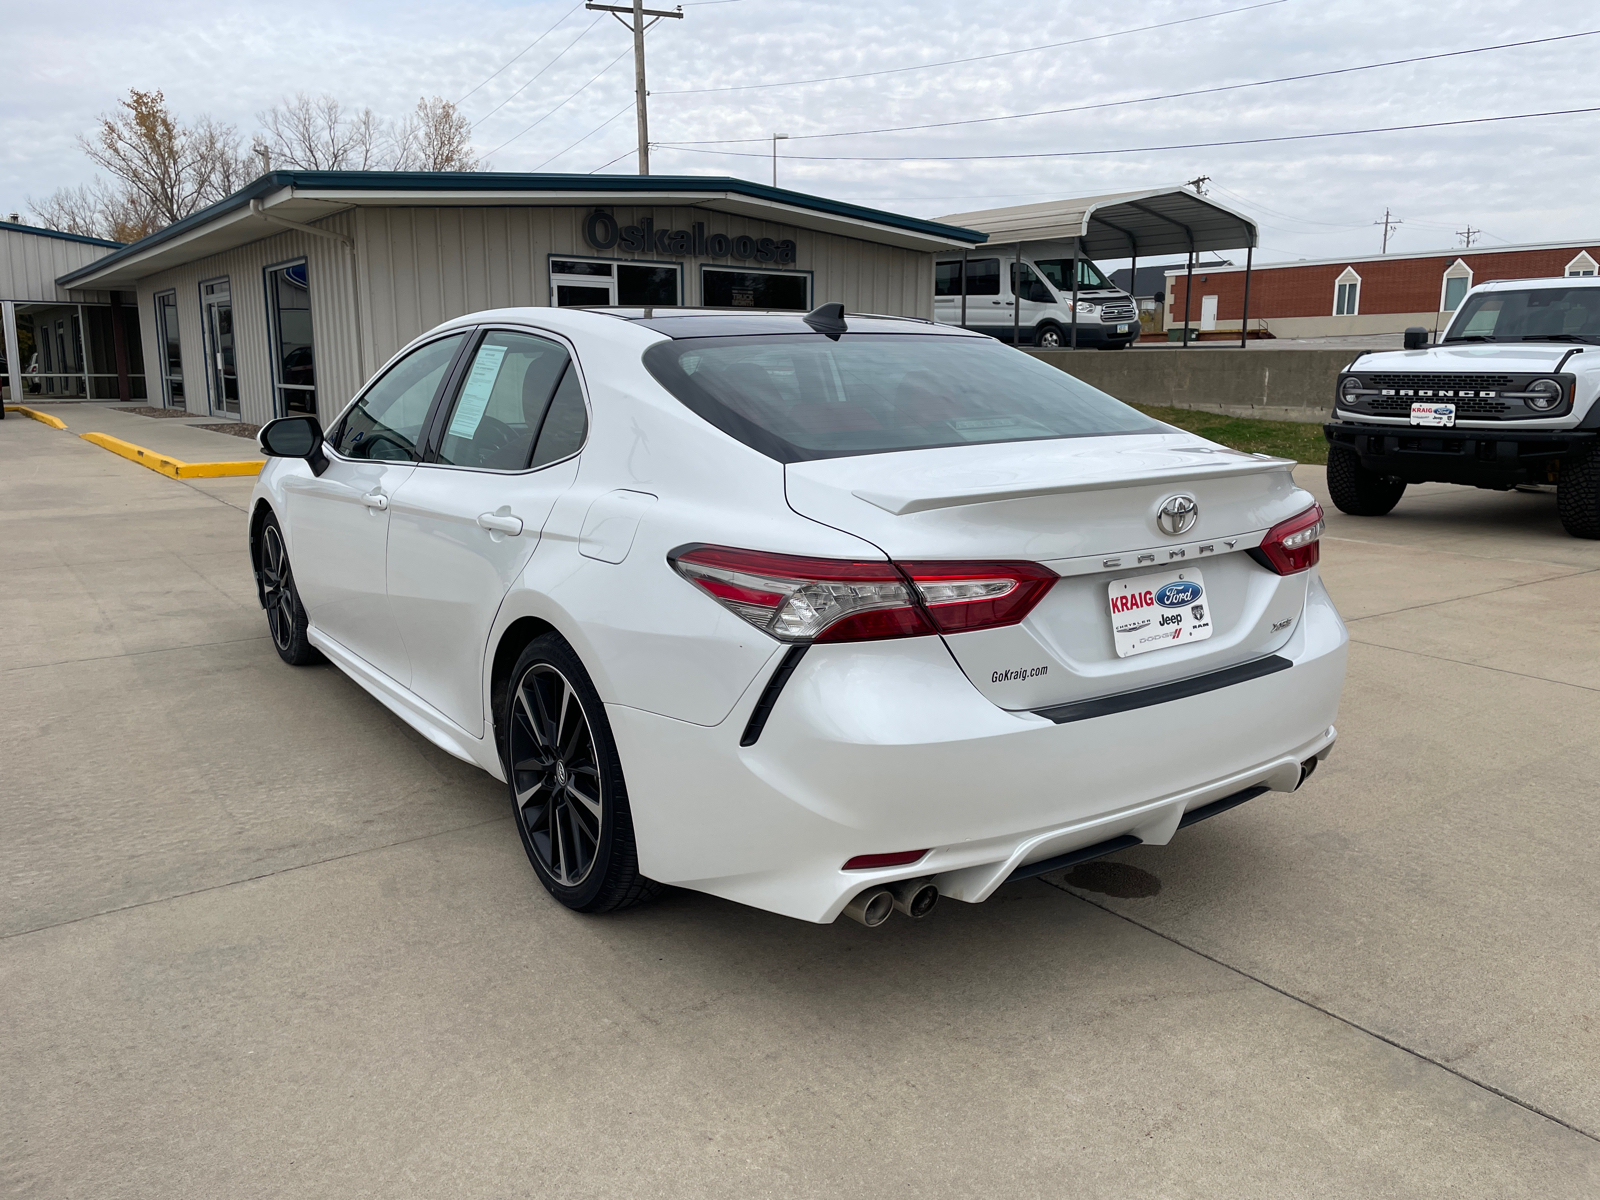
(1286, 439)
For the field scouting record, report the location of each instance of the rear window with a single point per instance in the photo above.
(799, 397)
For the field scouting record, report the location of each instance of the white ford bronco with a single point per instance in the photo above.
(1507, 398)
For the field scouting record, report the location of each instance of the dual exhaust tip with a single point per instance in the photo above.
(913, 897)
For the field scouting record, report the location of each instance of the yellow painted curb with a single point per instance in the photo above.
(174, 468)
(53, 422)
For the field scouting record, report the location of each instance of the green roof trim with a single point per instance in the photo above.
(499, 181)
(13, 227)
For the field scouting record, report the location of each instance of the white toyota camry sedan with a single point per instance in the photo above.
(818, 613)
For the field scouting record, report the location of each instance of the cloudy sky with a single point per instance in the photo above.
(712, 77)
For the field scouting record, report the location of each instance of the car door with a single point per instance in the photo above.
(339, 521)
(987, 310)
(503, 447)
(1037, 300)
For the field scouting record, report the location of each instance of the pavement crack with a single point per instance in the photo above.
(1389, 612)
(1328, 1012)
(1461, 662)
(217, 887)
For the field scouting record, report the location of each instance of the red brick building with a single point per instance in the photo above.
(1378, 294)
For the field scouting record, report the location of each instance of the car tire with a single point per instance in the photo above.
(286, 616)
(1049, 337)
(1358, 491)
(565, 781)
(1578, 495)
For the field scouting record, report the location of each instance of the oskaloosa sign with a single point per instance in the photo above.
(603, 233)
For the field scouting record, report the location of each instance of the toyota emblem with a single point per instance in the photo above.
(1177, 515)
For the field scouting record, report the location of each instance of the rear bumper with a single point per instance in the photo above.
(1480, 457)
(886, 746)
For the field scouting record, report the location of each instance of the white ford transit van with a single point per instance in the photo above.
(1107, 318)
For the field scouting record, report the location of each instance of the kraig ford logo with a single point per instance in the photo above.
(1180, 594)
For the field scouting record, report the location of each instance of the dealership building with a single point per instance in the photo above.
(286, 296)
(1382, 293)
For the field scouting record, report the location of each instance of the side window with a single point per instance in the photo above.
(565, 424)
(947, 279)
(502, 402)
(983, 277)
(386, 423)
(1033, 288)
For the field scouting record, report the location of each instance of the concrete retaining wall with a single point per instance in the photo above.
(1279, 385)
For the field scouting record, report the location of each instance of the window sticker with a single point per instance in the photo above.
(476, 391)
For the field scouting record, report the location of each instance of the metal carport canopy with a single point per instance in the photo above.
(1168, 220)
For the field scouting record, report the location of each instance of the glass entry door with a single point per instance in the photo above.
(171, 354)
(218, 303)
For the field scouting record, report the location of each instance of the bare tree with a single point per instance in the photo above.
(166, 170)
(307, 134)
(96, 211)
(434, 137)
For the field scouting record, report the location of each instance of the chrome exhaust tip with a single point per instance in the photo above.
(915, 897)
(872, 907)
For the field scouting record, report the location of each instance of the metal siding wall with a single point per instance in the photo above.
(332, 320)
(422, 266)
(30, 264)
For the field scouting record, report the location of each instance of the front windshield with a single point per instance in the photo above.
(795, 397)
(1556, 314)
(1059, 272)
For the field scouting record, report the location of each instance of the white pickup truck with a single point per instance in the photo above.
(1507, 398)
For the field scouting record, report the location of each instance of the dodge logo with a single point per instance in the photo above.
(1178, 515)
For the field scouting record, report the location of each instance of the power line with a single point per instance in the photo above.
(585, 137)
(743, 87)
(617, 159)
(528, 47)
(563, 104)
(1207, 91)
(1294, 137)
(542, 70)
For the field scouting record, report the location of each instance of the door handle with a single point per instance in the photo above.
(375, 499)
(500, 523)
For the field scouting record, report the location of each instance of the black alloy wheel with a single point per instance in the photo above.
(286, 616)
(566, 785)
(1358, 491)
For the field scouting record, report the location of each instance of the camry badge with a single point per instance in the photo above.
(1178, 515)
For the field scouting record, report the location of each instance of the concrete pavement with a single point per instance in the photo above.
(261, 939)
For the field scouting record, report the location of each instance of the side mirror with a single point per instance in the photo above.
(294, 437)
(1416, 337)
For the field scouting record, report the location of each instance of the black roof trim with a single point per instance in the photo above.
(14, 227)
(493, 181)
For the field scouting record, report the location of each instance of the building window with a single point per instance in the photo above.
(1457, 282)
(170, 350)
(721, 287)
(1347, 294)
(1580, 266)
(289, 323)
(592, 283)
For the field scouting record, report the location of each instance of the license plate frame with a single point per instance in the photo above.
(1431, 413)
(1157, 612)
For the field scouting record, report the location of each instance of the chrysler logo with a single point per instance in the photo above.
(1178, 515)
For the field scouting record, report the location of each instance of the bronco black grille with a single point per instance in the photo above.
(1494, 383)
(1402, 405)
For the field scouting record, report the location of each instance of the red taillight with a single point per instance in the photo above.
(1295, 544)
(798, 599)
(962, 596)
(901, 858)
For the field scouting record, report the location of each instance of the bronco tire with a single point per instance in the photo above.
(1358, 491)
(1578, 495)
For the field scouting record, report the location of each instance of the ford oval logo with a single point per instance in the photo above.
(1178, 595)
(1177, 515)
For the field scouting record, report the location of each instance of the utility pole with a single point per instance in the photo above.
(638, 24)
(1198, 184)
(1388, 224)
(1468, 236)
(776, 138)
